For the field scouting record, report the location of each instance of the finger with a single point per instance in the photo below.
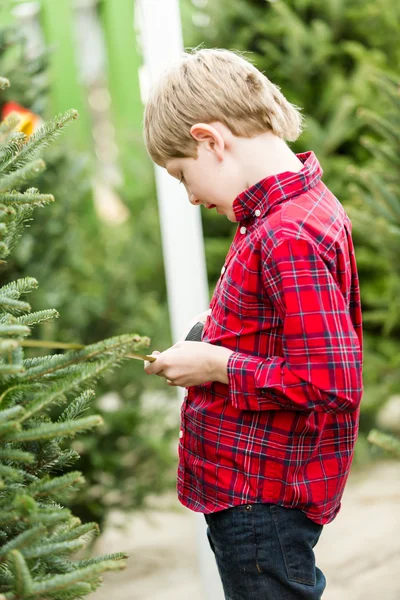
(147, 363)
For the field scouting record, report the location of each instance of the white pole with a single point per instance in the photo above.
(181, 230)
(160, 31)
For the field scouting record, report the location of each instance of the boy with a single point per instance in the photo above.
(271, 414)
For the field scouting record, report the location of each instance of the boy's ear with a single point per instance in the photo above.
(203, 132)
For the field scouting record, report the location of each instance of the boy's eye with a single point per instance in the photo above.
(182, 179)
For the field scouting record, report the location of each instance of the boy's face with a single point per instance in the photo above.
(213, 178)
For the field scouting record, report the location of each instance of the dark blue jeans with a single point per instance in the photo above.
(265, 552)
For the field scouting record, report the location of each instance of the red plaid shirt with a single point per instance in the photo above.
(288, 304)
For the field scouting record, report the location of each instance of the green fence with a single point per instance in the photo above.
(110, 102)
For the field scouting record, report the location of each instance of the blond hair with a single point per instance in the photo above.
(208, 85)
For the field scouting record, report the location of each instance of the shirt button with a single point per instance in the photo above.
(181, 434)
(257, 213)
(223, 270)
(243, 230)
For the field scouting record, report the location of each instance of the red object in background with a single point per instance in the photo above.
(29, 121)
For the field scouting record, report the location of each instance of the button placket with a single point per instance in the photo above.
(232, 251)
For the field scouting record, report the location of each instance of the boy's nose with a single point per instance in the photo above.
(193, 199)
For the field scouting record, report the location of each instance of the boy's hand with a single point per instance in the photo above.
(190, 363)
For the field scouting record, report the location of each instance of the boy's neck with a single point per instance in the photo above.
(264, 155)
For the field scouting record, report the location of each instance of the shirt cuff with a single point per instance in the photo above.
(244, 373)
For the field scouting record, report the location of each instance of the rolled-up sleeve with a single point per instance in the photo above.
(321, 366)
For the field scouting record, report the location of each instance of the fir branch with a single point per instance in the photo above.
(74, 378)
(381, 152)
(381, 192)
(18, 391)
(119, 345)
(37, 317)
(48, 431)
(60, 388)
(24, 504)
(6, 212)
(14, 306)
(76, 532)
(11, 413)
(6, 575)
(378, 124)
(16, 179)
(60, 582)
(53, 548)
(67, 458)
(8, 518)
(12, 148)
(15, 455)
(8, 125)
(77, 407)
(49, 518)
(33, 198)
(14, 330)
(8, 472)
(15, 289)
(40, 139)
(7, 346)
(23, 539)
(6, 428)
(389, 84)
(15, 229)
(58, 565)
(99, 559)
(11, 369)
(36, 360)
(23, 579)
(47, 487)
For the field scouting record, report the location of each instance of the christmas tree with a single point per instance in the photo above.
(39, 537)
(376, 219)
(115, 273)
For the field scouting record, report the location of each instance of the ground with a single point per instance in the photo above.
(359, 552)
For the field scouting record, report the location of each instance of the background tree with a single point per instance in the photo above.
(376, 219)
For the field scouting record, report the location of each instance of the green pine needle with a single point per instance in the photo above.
(16, 179)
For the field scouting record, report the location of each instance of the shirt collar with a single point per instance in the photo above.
(260, 197)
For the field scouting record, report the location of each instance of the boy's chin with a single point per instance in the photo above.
(228, 214)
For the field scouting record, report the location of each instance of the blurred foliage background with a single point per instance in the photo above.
(97, 251)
